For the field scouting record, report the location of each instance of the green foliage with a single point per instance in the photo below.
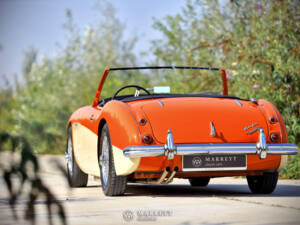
(258, 41)
(6, 103)
(292, 169)
(54, 88)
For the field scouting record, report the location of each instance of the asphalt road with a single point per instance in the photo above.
(223, 201)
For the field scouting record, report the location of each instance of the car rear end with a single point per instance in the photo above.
(193, 137)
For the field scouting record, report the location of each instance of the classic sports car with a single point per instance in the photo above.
(153, 136)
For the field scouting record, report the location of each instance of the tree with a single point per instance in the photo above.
(29, 58)
(258, 41)
(56, 87)
(6, 102)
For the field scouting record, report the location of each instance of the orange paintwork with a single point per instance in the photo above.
(188, 118)
(100, 86)
(123, 127)
(270, 110)
(83, 115)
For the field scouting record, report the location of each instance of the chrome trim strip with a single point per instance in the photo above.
(238, 102)
(254, 130)
(161, 104)
(190, 149)
(252, 125)
(212, 130)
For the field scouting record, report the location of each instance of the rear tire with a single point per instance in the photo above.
(77, 178)
(264, 184)
(199, 182)
(112, 185)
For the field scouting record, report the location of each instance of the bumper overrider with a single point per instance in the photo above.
(261, 148)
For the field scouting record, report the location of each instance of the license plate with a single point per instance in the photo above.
(214, 162)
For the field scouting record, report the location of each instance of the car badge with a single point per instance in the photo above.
(252, 125)
(212, 130)
(252, 130)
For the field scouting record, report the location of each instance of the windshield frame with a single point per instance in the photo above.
(106, 72)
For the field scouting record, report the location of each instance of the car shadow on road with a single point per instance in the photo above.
(93, 186)
(234, 190)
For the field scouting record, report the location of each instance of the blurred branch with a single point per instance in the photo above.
(26, 171)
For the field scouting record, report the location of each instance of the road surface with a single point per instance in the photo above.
(223, 201)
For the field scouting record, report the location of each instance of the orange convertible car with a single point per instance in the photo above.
(153, 136)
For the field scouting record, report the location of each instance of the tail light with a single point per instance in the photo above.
(274, 137)
(273, 120)
(143, 122)
(147, 139)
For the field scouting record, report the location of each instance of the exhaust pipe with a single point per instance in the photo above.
(170, 179)
(162, 178)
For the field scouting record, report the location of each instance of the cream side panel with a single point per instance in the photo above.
(123, 165)
(283, 161)
(85, 149)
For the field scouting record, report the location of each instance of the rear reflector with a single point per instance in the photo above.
(273, 119)
(147, 139)
(274, 137)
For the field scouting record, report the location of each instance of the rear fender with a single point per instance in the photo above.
(84, 137)
(124, 131)
(269, 110)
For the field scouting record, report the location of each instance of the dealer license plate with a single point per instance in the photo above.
(214, 162)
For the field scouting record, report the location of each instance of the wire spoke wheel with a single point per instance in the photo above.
(76, 176)
(112, 184)
(104, 160)
(69, 156)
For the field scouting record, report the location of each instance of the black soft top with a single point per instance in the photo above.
(130, 98)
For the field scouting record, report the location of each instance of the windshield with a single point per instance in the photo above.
(162, 80)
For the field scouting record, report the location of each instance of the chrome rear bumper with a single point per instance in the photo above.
(211, 149)
(170, 149)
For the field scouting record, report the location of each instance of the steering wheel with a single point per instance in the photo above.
(130, 86)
